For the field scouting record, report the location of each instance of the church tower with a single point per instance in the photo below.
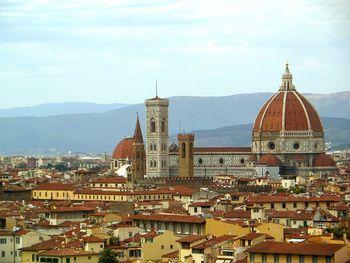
(157, 158)
(138, 154)
(186, 155)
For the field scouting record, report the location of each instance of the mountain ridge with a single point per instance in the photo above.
(100, 132)
(58, 108)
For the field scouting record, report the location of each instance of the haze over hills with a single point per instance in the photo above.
(50, 109)
(99, 132)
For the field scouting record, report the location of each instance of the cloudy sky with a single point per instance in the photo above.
(113, 51)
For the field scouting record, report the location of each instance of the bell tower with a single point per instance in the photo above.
(157, 157)
(186, 143)
(138, 154)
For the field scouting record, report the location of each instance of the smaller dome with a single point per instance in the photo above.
(298, 157)
(252, 158)
(123, 150)
(323, 160)
(269, 160)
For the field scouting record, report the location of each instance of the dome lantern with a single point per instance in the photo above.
(287, 80)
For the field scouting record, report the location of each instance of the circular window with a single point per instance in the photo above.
(242, 161)
(221, 161)
(271, 145)
(296, 146)
(200, 161)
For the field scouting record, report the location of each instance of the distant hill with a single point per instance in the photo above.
(99, 132)
(51, 109)
(337, 131)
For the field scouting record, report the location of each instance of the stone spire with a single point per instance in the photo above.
(138, 133)
(287, 80)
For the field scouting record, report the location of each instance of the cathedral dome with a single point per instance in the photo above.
(323, 160)
(123, 150)
(287, 110)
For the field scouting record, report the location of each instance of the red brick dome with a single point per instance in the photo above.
(269, 160)
(252, 158)
(287, 110)
(298, 157)
(123, 150)
(323, 160)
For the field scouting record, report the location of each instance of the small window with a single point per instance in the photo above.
(271, 145)
(296, 146)
(221, 161)
(153, 125)
(251, 257)
(183, 150)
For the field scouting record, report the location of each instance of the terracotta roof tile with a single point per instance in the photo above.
(221, 149)
(55, 186)
(62, 252)
(170, 218)
(114, 179)
(296, 248)
(173, 255)
(190, 239)
(213, 241)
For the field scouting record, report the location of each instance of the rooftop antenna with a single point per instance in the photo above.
(156, 89)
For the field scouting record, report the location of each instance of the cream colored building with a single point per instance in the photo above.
(11, 244)
(154, 247)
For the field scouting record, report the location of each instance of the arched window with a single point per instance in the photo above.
(154, 164)
(155, 147)
(163, 126)
(183, 150)
(153, 125)
(151, 146)
(191, 150)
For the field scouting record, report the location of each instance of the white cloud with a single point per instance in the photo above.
(44, 39)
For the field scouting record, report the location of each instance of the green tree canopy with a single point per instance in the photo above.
(107, 256)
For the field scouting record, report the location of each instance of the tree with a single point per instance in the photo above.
(60, 167)
(107, 256)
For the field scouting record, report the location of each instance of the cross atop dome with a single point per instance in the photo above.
(287, 80)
